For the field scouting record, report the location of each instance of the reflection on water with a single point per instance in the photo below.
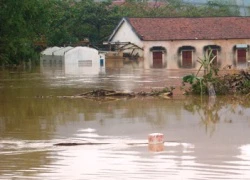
(204, 138)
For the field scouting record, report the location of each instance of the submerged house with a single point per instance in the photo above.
(177, 43)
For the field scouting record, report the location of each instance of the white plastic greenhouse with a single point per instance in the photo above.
(72, 61)
(58, 55)
(83, 60)
(47, 54)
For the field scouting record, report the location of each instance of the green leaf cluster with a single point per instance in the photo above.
(200, 85)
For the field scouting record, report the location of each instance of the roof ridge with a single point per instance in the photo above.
(204, 17)
(159, 29)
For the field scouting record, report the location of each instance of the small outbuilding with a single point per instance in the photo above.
(72, 61)
(47, 55)
(84, 60)
(58, 55)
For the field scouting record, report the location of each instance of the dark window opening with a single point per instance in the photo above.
(241, 51)
(186, 53)
(241, 56)
(214, 54)
(187, 59)
(158, 52)
(157, 59)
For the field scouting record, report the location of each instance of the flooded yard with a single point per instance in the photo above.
(204, 138)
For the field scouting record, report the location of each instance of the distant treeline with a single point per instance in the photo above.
(29, 26)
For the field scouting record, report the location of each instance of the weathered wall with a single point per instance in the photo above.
(226, 56)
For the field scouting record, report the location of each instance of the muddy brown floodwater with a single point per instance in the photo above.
(204, 139)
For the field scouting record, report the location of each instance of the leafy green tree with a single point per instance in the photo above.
(96, 20)
(22, 22)
(62, 23)
(75, 20)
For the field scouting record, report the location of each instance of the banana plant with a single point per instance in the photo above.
(206, 63)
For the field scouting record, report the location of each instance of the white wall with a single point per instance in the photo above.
(125, 33)
(58, 56)
(82, 60)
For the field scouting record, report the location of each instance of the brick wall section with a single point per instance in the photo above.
(208, 28)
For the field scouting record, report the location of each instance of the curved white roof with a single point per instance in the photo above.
(82, 49)
(62, 51)
(50, 50)
(81, 53)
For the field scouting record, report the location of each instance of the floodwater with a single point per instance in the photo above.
(204, 138)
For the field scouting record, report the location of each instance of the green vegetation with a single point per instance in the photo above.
(22, 22)
(210, 83)
(200, 85)
(28, 26)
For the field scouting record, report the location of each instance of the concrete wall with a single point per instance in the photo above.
(171, 59)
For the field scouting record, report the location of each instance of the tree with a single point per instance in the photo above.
(211, 8)
(222, 8)
(22, 22)
(62, 23)
(96, 19)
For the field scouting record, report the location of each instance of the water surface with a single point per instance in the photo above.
(204, 138)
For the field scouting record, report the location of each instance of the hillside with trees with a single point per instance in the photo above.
(29, 26)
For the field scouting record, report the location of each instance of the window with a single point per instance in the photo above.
(215, 53)
(157, 59)
(186, 56)
(241, 54)
(85, 63)
(158, 54)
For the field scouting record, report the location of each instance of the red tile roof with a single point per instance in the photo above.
(209, 28)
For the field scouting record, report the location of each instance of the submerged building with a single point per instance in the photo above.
(177, 43)
(72, 61)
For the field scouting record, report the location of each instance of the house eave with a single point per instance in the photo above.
(119, 26)
(116, 29)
